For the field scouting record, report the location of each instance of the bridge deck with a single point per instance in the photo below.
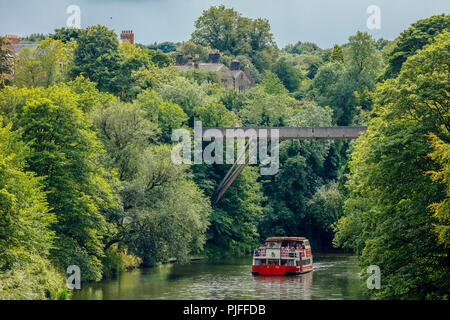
(302, 132)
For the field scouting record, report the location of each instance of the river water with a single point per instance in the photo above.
(334, 277)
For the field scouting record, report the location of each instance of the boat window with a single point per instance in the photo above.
(296, 263)
(306, 262)
(259, 262)
(272, 261)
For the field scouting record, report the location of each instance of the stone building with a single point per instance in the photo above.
(232, 78)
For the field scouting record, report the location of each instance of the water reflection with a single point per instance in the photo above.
(284, 288)
(334, 277)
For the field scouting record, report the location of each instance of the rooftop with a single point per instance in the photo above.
(285, 238)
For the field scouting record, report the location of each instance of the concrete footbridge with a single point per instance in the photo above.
(301, 133)
(264, 133)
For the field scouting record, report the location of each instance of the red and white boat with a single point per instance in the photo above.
(282, 256)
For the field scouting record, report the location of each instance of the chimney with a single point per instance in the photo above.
(179, 59)
(214, 57)
(235, 65)
(127, 35)
(197, 62)
(12, 39)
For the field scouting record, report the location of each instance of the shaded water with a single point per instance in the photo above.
(334, 277)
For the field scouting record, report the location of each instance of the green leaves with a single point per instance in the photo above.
(229, 32)
(387, 219)
(25, 218)
(413, 39)
(64, 153)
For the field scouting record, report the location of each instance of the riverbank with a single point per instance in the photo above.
(191, 259)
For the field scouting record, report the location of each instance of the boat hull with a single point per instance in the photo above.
(277, 270)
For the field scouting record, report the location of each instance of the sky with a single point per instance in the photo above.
(325, 22)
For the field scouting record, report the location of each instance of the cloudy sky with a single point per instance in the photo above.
(324, 22)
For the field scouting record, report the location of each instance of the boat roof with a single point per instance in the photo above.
(285, 238)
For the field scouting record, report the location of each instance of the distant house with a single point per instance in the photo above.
(15, 47)
(232, 78)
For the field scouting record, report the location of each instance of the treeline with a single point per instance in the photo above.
(86, 176)
(396, 213)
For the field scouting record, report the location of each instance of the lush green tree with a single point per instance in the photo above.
(441, 209)
(272, 84)
(167, 115)
(160, 58)
(183, 92)
(124, 131)
(332, 90)
(44, 66)
(228, 31)
(326, 207)
(234, 219)
(97, 58)
(264, 109)
(166, 214)
(337, 55)
(215, 114)
(131, 58)
(25, 235)
(413, 39)
(65, 152)
(165, 47)
(66, 34)
(218, 27)
(33, 38)
(390, 213)
(88, 94)
(287, 74)
(312, 70)
(335, 84)
(364, 60)
(303, 48)
(233, 100)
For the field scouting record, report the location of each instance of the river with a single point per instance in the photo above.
(334, 277)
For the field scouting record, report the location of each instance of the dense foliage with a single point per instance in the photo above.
(396, 214)
(87, 179)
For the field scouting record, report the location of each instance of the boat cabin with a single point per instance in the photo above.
(283, 256)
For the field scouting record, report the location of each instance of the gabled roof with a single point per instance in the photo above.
(202, 66)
